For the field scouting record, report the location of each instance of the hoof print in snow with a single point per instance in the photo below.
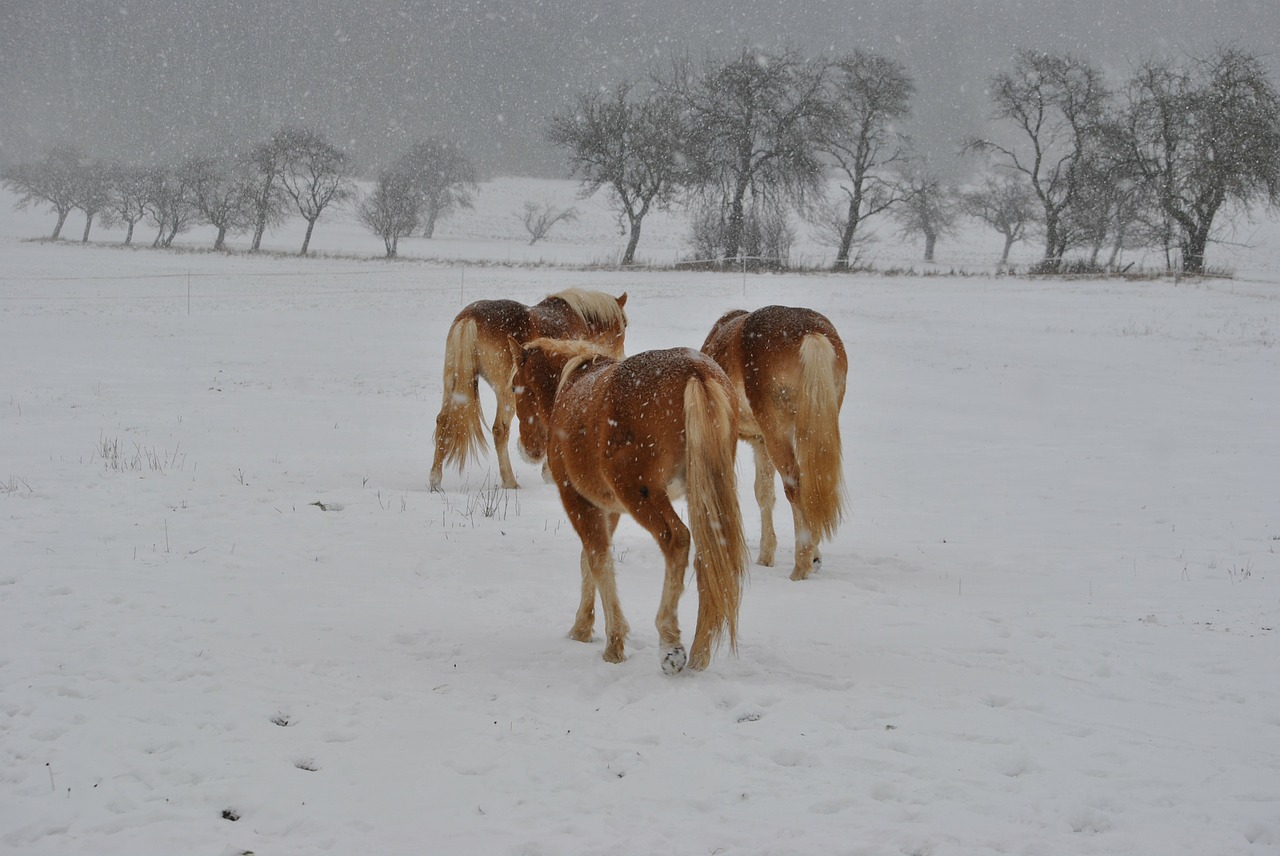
(230, 814)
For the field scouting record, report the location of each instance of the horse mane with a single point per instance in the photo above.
(576, 351)
(595, 308)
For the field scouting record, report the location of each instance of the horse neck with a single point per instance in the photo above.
(580, 366)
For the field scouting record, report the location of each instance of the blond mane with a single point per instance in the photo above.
(576, 350)
(595, 308)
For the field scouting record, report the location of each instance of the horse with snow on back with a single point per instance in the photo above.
(789, 367)
(476, 348)
(627, 437)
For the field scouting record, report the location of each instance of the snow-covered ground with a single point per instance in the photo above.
(233, 619)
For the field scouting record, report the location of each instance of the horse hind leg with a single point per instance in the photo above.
(766, 498)
(806, 540)
(655, 514)
(808, 559)
(501, 434)
(584, 622)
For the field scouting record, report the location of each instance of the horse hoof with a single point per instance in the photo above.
(674, 660)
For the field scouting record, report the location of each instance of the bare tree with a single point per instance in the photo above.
(126, 197)
(1201, 136)
(390, 210)
(51, 181)
(222, 193)
(270, 200)
(927, 209)
(317, 175)
(869, 93)
(1007, 204)
(538, 219)
(168, 203)
(757, 122)
(440, 176)
(1055, 103)
(92, 192)
(634, 145)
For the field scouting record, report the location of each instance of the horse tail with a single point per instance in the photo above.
(459, 432)
(821, 495)
(720, 560)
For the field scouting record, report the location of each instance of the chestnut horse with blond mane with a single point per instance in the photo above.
(627, 437)
(789, 368)
(477, 348)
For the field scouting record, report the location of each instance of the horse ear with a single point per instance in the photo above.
(515, 349)
(622, 300)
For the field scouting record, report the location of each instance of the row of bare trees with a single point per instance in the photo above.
(746, 138)
(296, 170)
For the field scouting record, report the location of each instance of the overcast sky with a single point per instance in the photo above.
(158, 79)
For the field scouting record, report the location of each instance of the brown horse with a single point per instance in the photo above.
(628, 437)
(789, 367)
(477, 348)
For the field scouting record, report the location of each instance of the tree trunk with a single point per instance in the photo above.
(629, 254)
(1193, 250)
(733, 229)
(930, 241)
(306, 241)
(128, 236)
(1008, 245)
(88, 224)
(846, 237)
(1116, 247)
(220, 242)
(57, 228)
(1052, 260)
(263, 204)
(429, 220)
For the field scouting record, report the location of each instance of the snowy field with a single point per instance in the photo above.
(233, 620)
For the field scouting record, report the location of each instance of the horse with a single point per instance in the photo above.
(628, 436)
(789, 367)
(476, 347)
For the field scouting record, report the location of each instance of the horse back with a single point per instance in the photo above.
(621, 426)
(498, 319)
(768, 350)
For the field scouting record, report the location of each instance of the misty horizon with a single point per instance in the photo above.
(154, 80)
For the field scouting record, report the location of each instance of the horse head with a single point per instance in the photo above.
(539, 370)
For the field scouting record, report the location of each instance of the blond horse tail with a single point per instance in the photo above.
(821, 495)
(459, 431)
(720, 560)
